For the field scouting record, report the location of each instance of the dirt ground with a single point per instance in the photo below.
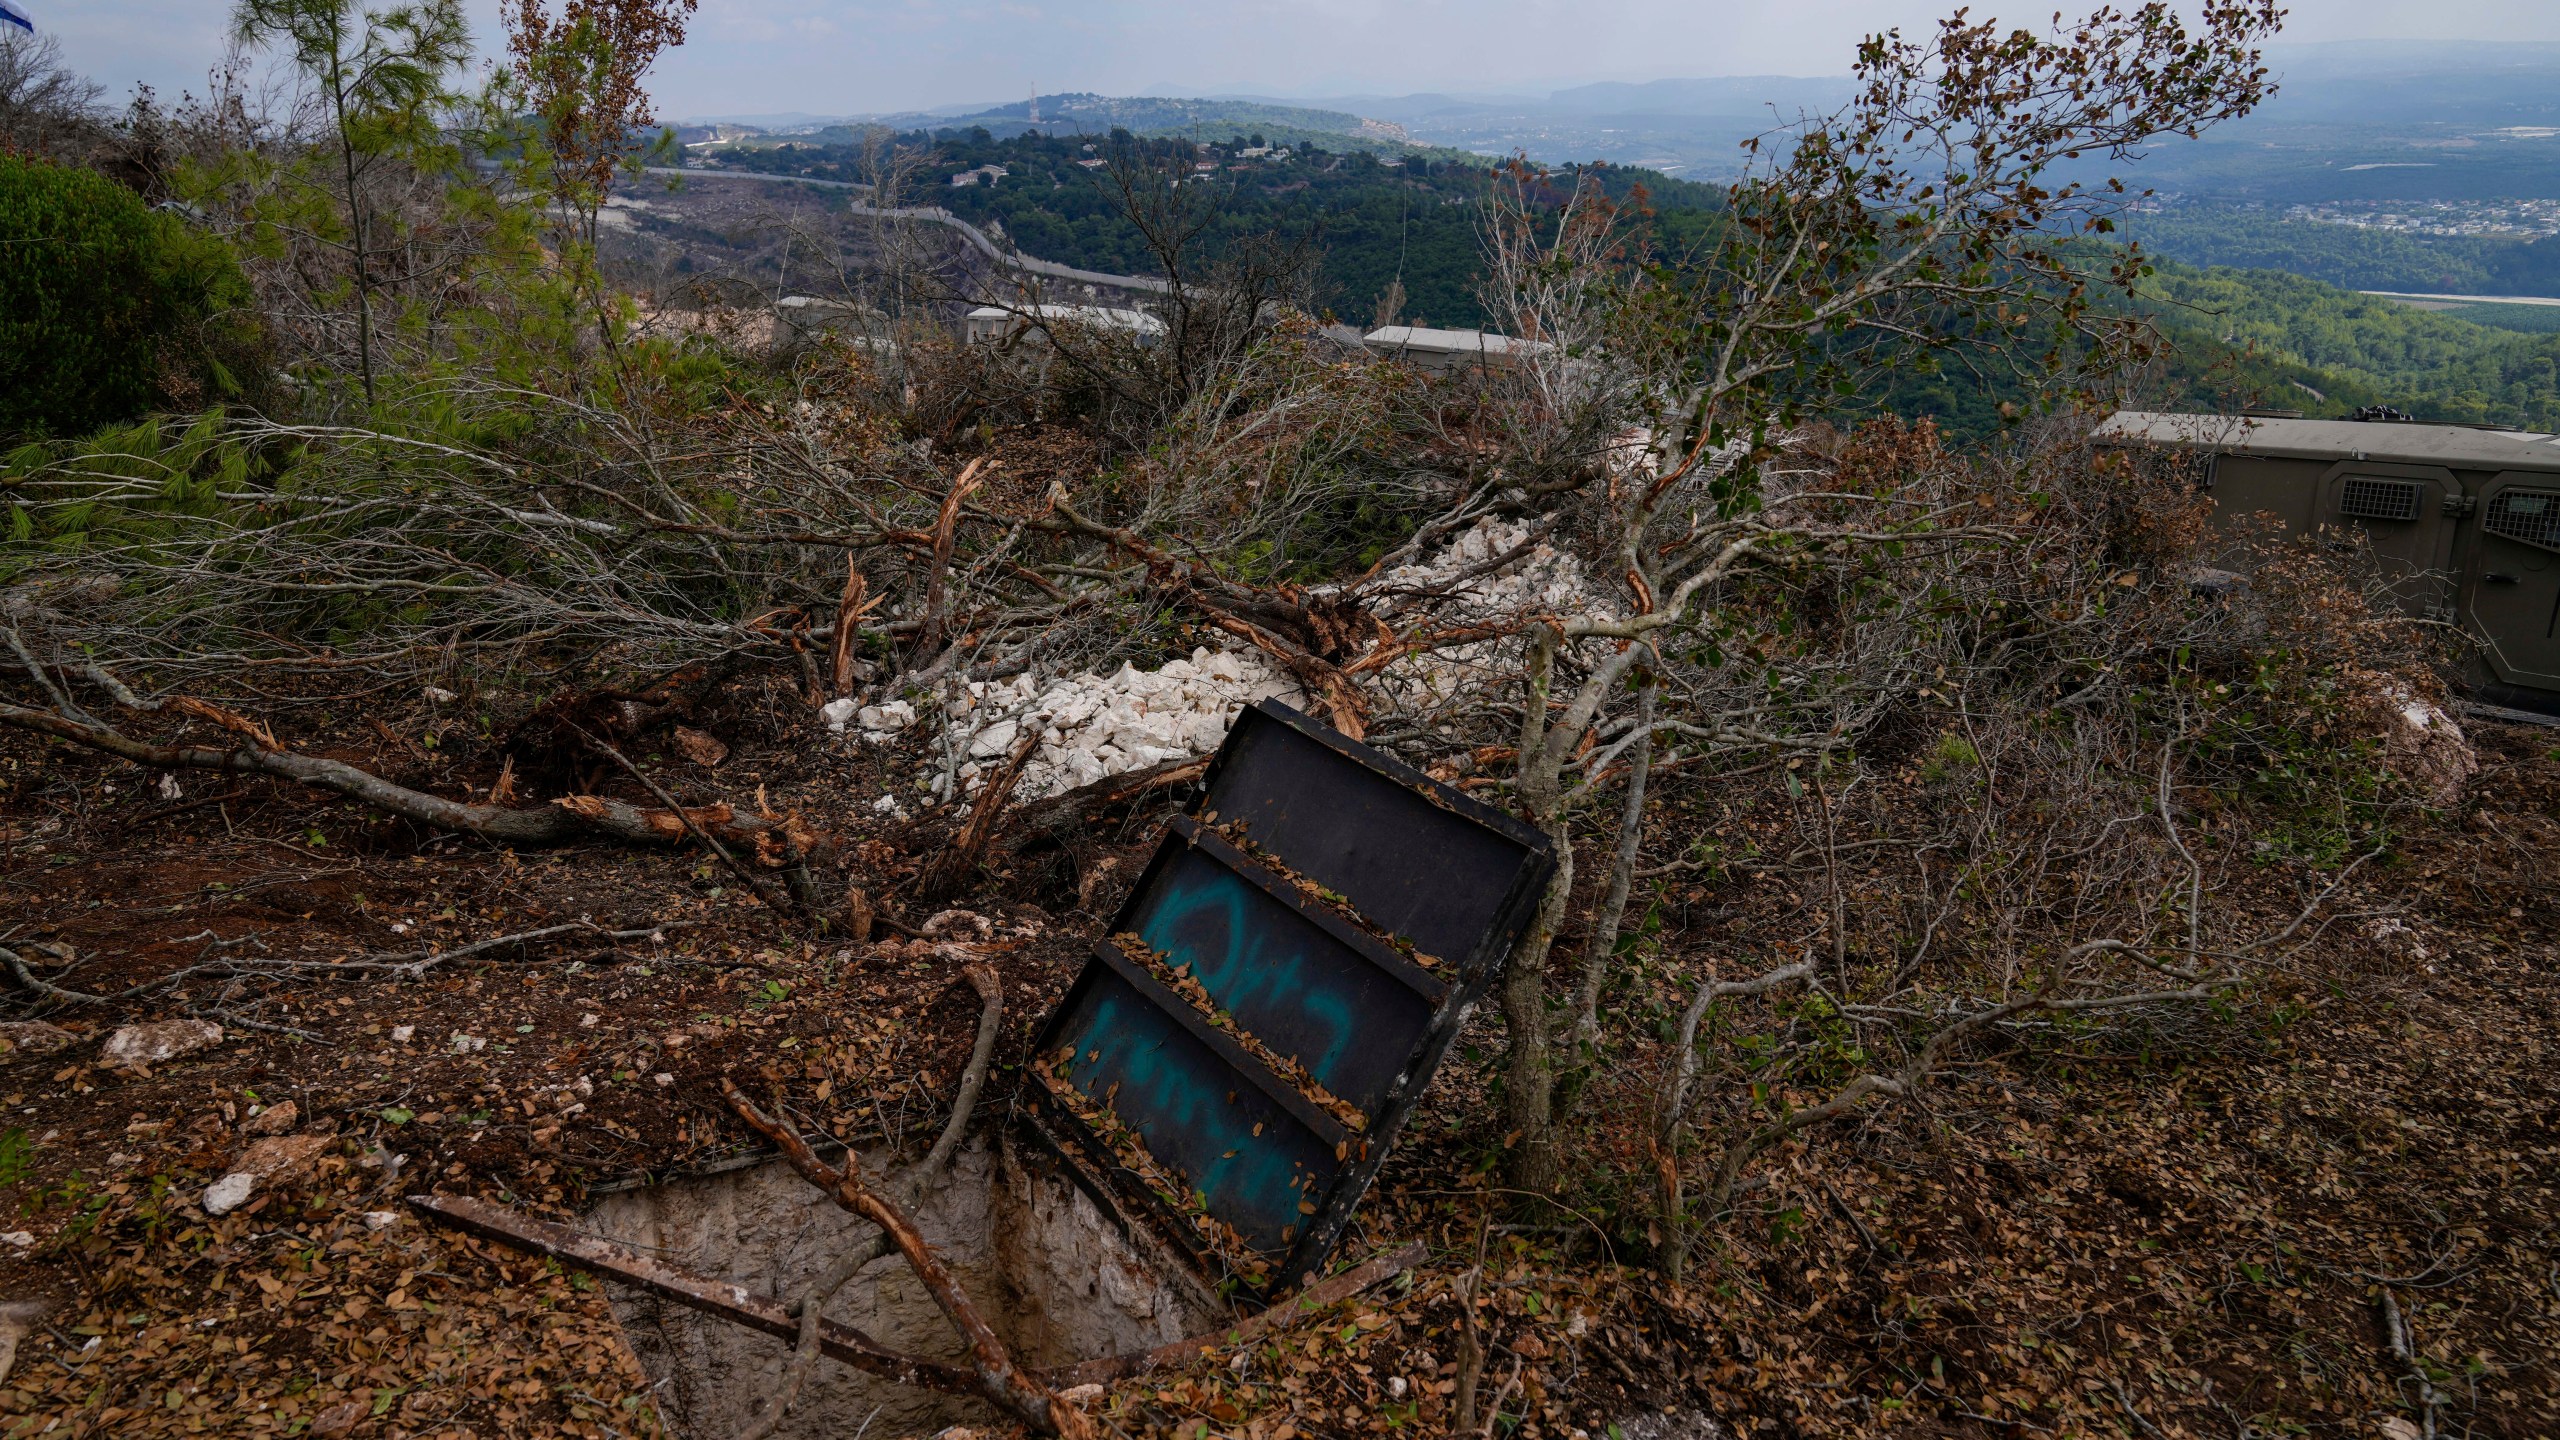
(2191, 1240)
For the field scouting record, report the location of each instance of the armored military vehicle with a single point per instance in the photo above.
(2468, 517)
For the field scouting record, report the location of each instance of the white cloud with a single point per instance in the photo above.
(837, 56)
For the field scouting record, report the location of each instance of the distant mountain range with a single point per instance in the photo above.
(1088, 114)
(2426, 119)
(2352, 121)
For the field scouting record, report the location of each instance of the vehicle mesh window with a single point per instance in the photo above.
(2368, 499)
(2530, 516)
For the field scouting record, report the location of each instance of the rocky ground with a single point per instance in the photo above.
(2194, 1238)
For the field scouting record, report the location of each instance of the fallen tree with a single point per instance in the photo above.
(566, 819)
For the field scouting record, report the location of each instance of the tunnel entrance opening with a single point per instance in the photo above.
(1056, 1275)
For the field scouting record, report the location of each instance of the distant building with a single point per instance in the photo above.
(989, 173)
(990, 323)
(801, 319)
(1344, 340)
(1449, 349)
(1095, 163)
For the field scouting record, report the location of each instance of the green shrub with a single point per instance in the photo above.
(108, 308)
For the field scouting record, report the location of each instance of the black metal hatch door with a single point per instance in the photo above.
(1239, 1052)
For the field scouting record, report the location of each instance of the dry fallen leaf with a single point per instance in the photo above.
(699, 748)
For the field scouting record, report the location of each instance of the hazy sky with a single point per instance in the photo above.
(854, 56)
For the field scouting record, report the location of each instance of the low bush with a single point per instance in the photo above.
(109, 309)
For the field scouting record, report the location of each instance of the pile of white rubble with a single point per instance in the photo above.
(1090, 726)
(1093, 726)
(1542, 581)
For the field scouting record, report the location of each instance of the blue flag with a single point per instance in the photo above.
(10, 14)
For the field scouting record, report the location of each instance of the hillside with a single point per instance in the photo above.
(1087, 116)
(2265, 339)
(2355, 257)
(2252, 335)
(2347, 122)
(1376, 218)
(2438, 366)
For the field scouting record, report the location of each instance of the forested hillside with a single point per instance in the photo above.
(2438, 366)
(2264, 339)
(2523, 319)
(2253, 335)
(2357, 258)
(1086, 116)
(1377, 220)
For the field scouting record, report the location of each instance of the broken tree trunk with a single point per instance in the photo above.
(849, 612)
(1060, 818)
(907, 1184)
(937, 579)
(952, 870)
(571, 817)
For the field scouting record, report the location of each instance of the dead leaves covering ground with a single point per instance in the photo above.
(2189, 1239)
(2187, 1242)
(296, 1318)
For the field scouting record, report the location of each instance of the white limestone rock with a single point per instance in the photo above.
(32, 1040)
(1095, 726)
(229, 1193)
(2421, 742)
(138, 1047)
(888, 717)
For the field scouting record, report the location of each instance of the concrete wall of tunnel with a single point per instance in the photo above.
(1053, 1273)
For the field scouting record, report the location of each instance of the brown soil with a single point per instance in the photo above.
(2188, 1239)
(594, 1062)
